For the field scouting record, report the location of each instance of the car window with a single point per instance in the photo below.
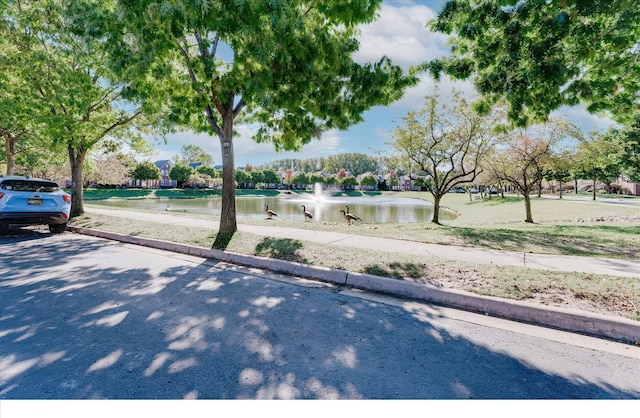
(30, 186)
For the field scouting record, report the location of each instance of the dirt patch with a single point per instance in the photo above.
(559, 296)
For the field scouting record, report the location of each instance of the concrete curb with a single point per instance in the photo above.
(618, 329)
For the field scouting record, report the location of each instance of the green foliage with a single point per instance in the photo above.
(598, 159)
(368, 181)
(256, 177)
(558, 169)
(541, 55)
(349, 181)
(180, 172)
(208, 170)
(146, 171)
(241, 177)
(301, 179)
(73, 102)
(628, 139)
(270, 177)
(331, 180)
(355, 163)
(316, 178)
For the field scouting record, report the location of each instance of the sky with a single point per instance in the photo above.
(401, 34)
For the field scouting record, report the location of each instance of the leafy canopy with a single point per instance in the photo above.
(285, 65)
(542, 54)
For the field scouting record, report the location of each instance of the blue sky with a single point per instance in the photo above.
(401, 34)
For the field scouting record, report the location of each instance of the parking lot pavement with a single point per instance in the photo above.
(90, 318)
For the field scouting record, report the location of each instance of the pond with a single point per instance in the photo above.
(324, 208)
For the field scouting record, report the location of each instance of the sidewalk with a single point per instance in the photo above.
(616, 267)
(586, 323)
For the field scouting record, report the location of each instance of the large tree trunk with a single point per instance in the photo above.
(9, 151)
(436, 209)
(594, 188)
(527, 208)
(560, 189)
(228, 224)
(76, 160)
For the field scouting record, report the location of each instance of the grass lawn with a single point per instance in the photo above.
(564, 226)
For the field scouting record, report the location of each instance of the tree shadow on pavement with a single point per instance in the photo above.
(104, 321)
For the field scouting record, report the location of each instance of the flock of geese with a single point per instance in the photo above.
(307, 215)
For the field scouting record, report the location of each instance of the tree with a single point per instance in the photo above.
(241, 177)
(180, 173)
(208, 170)
(331, 180)
(146, 171)
(628, 140)
(541, 55)
(192, 154)
(316, 178)
(271, 177)
(20, 105)
(288, 177)
(114, 169)
(256, 177)
(287, 66)
(524, 153)
(354, 163)
(195, 180)
(447, 142)
(559, 169)
(82, 101)
(300, 179)
(597, 159)
(11, 135)
(349, 182)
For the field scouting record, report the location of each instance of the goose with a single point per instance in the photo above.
(168, 209)
(349, 216)
(270, 213)
(307, 214)
(356, 217)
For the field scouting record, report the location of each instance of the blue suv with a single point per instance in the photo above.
(33, 201)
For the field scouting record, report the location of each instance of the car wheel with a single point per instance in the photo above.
(57, 228)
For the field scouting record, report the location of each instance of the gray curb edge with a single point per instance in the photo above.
(617, 329)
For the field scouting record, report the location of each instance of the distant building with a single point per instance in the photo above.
(626, 187)
(165, 167)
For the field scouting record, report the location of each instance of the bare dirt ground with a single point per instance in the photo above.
(549, 295)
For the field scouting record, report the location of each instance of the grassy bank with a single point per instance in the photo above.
(563, 227)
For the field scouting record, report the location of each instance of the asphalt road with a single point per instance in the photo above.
(87, 318)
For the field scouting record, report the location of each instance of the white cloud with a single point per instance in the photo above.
(401, 34)
(583, 119)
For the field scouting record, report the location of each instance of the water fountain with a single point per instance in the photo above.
(317, 192)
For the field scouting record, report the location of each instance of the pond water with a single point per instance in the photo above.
(289, 207)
